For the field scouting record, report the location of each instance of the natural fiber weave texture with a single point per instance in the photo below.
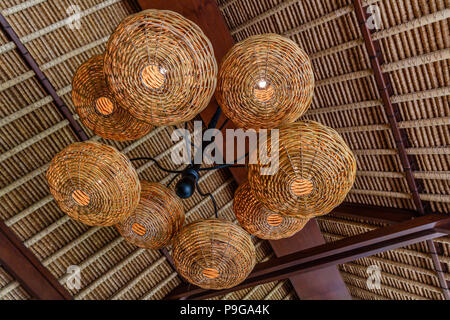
(261, 222)
(94, 183)
(214, 254)
(161, 67)
(265, 81)
(158, 217)
(316, 171)
(97, 108)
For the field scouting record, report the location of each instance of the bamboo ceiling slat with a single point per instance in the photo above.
(416, 96)
(290, 296)
(385, 291)
(18, 294)
(402, 64)
(53, 63)
(407, 26)
(37, 34)
(251, 295)
(418, 286)
(337, 228)
(32, 107)
(275, 291)
(19, 7)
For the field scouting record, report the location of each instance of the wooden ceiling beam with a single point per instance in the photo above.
(23, 266)
(373, 214)
(401, 139)
(348, 249)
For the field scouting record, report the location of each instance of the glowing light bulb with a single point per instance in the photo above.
(262, 84)
(163, 70)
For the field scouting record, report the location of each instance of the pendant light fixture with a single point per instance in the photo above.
(98, 109)
(316, 171)
(94, 183)
(161, 67)
(157, 218)
(265, 81)
(214, 254)
(261, 222)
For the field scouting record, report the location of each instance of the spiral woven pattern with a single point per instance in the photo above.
(161, 67)
(158, 217)
(265, 81)
(214, 254)
(316, 171)
(261, 222)
(94, 183)
(97, 108)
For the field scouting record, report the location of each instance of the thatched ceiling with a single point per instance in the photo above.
(346, 98)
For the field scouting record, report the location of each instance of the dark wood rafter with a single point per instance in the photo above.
(333, 253)
(372, 214)
(50, 89)
(23, 266)
(401, 139)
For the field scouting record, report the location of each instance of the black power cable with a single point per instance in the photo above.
(209, 194)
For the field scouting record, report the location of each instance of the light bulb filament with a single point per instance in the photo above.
(262, 84)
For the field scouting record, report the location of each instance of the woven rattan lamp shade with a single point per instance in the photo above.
(94, 183)
(158, 217)
(316, 171)
(214, 254)
(261, 222)
(98, 109)
(161, 67)
(265, 81)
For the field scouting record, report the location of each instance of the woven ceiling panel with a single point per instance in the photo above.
(346, 98)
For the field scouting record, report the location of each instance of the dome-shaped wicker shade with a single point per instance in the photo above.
(316, 171)
(94, 183)
(158, 217)
(97, 108)
(214, 254)
(161, 67)
(265, 81)
(261, 222)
